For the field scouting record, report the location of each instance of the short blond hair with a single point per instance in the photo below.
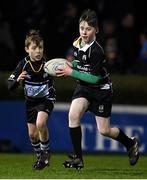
(33, 36)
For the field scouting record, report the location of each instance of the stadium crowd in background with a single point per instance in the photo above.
(122, 27)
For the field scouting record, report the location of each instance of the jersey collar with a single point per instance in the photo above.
(77, 42)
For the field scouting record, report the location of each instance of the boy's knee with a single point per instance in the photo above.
(104, 132)
(33, 137)
(40, 126)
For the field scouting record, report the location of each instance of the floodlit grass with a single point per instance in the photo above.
(19, 166)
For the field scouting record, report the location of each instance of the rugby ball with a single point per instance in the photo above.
(54, 65)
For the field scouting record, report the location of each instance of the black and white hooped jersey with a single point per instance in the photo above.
(91, 59)
(37, 84)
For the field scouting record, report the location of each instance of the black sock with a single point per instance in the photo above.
(124, 139)
(76, 137)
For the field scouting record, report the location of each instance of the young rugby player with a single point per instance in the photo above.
(93, 91)
(39, 95)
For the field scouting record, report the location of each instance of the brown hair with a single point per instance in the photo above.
(90, 17)
(33, 36)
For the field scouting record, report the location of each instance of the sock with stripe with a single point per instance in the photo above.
(37, 148)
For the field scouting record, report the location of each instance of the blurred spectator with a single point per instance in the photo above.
(143, 49)
(141, 65)
(35, 17)
(113, 58)
(109, 27)
(127, 42)
(113, 8)
(7, 46)
(111, 45)
(67, 29)
(27, 15)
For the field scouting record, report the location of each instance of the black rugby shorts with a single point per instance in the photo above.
(100, 100)
(32, 108)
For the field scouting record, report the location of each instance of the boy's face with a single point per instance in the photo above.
(35, 52)
(87, 32)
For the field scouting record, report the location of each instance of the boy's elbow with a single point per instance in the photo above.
(12, 85)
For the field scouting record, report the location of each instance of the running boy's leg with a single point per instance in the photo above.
(77, 109)
(117, 134)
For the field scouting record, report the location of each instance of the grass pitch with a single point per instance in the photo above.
(19, 166)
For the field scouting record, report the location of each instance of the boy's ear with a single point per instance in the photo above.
(97, 30)
(26, 49)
